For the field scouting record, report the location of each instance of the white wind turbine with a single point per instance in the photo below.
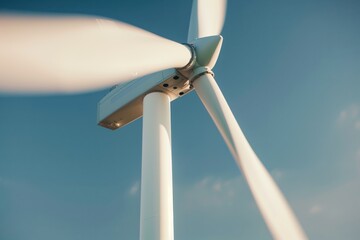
(70, 54)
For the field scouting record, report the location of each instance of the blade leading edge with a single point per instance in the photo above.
(68, 54)
(207, 18)
(274, 208)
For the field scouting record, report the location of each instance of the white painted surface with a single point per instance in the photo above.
(274, 208)
(207, 50)
(156, 214)
(59, 54)
(207, 18)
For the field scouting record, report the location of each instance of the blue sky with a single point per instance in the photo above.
(290, 70)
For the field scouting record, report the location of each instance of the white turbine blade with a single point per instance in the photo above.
(274, 208)
(207, 18)
(60, 54)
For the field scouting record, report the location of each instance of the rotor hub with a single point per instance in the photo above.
(204, 54)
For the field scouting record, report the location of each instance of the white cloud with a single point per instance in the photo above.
(214, 192)
(135, 188)
(330, 213)
(350, 116)
(217, 186)
(357, 125)
(315, 209)
(277, 174)
(357, 159)
(358, 154)
(349, 113)
(218, 207)
(203, 182)
(219, 191)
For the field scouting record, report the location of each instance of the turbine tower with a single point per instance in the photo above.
(70, 54)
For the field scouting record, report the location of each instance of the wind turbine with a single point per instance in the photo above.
(70, 54)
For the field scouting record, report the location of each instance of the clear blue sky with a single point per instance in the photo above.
(290, 70)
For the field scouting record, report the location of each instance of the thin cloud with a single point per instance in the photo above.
(350, 116)
(315, 209)
(357, 125)
(134, 189)
(214, 192)
(357, 159)
(217, 186)
(277, 174)
(327, 214)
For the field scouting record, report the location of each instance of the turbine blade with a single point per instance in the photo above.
(68, 54)
(207, 18)
(274, 208)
